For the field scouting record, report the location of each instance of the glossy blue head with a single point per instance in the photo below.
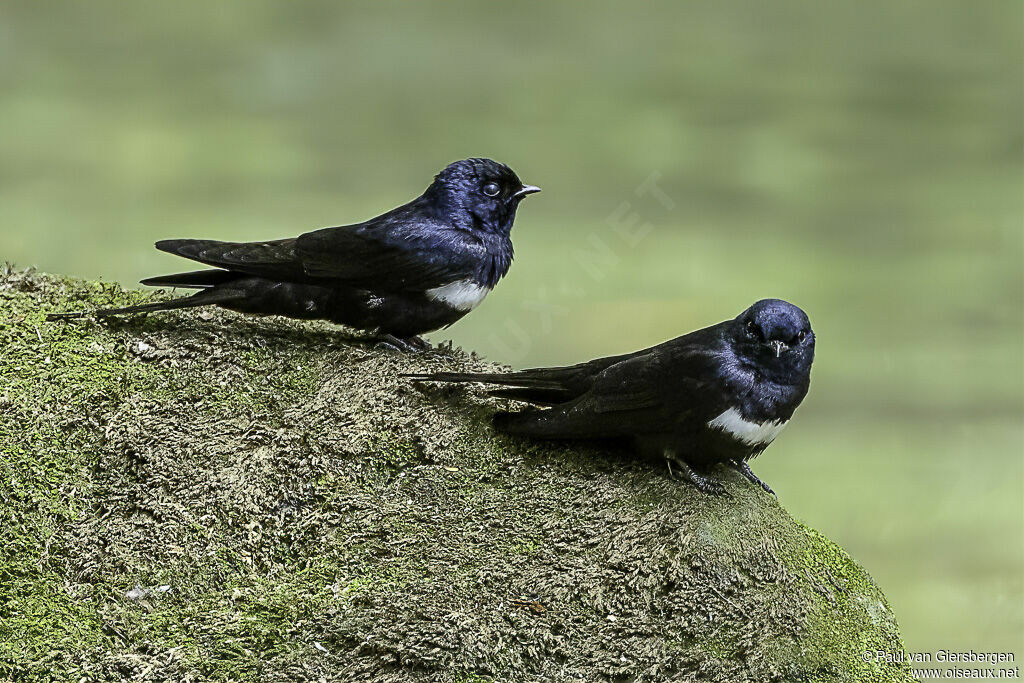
(479, 194)
(776, 335)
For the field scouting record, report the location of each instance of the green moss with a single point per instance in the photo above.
(314, 516)
(390, 453)
(54, 381)
(845, 615)
(723, 642)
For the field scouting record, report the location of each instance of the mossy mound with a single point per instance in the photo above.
(204, 496)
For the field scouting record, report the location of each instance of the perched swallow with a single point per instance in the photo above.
(719, 395)
(414, 269)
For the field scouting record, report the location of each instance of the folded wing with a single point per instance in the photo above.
(376, 257)
(623, 399)
(275, 259)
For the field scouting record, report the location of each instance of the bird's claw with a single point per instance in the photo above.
(389, 342)
(420, 343)
(743, 468)
(710, 486)
(703, 483)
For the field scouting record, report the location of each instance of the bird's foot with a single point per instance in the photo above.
(420, 343)
(390, 342)
(743, 468)
(703, 483)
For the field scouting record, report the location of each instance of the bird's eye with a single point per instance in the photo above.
(751, 328)
(800, 337)
(491, 189)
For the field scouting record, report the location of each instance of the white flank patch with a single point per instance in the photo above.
(463, 295)
(753, 433)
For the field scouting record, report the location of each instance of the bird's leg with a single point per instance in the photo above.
(390, 342)
(420, 343)
(743, 468)
(705, 484)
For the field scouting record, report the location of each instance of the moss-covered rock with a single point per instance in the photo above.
(205, 496)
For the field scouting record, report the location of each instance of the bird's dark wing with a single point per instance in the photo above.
(620, 401)
(548, 386)
(654, 391)
(399, 250)
(543, 386)
(275, 259)
(390, 253)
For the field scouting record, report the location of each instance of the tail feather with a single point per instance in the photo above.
(204, 298)
(196, 279)
(275, 258)
(188, 248)
(541, 397)
(512, 379)
(530, 385)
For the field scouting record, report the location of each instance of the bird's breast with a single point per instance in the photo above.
(749, 432)
(462, 295)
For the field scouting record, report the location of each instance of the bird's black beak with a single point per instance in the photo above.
(525, 190)
(778, 346)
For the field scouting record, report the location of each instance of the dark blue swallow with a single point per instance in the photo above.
(717, 396)
(414, 269)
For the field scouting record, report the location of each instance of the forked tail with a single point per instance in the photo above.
(542, 386)
(204, 298)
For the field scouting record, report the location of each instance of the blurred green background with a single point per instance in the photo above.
(863, 160)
